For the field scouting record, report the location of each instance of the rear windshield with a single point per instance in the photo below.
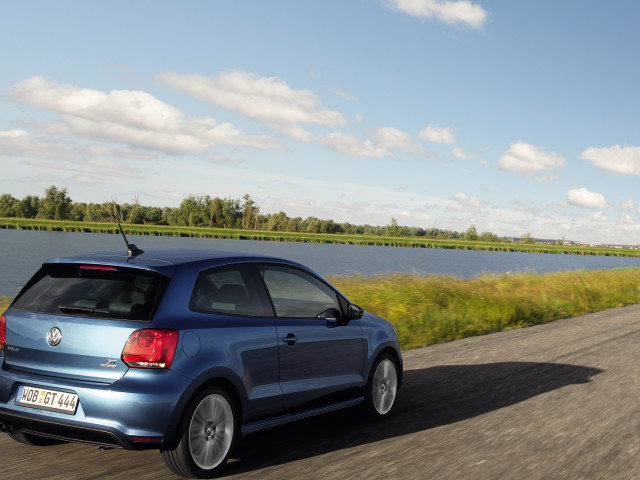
(92, 291)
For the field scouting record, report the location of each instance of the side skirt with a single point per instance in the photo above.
(254, 427)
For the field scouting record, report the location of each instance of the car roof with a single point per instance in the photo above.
(166, 260)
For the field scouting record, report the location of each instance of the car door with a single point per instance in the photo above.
(321, 355)
(234, 323)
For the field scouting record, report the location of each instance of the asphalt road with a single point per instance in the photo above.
(556, 401)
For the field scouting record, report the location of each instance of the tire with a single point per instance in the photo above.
(208, 433)
(34, 440)
(382, 386)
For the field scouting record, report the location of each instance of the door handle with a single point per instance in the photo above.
(290, 339)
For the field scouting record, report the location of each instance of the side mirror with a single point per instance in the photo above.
(355, 312)
(333, 317)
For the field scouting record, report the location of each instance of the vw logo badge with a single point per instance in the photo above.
(54, 336)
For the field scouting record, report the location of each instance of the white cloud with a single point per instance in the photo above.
(345, 95)
(449, 11)
(462, 201)
(443, 135)
(628, 205)
(529, 207)
(459, 154)
(626, 220)
(581, 197)
(267, 100)
(598, 217)
(127, 117)
(546, 178)
(624, 160)
(386, 140)
(392, 138)
(19, 143)
(526, 159)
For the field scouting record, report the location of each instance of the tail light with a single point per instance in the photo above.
(3, 332)
(150, 348)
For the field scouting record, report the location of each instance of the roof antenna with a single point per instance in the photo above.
(132, 250)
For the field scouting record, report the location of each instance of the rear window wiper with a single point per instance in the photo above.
(74, 309)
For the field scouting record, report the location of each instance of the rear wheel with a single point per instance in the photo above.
(208, 434)
(34, 440)
(382, 386)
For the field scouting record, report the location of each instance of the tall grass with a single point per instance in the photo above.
(435, 309)
(4, 303)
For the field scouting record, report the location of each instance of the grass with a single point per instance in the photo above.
(4, 303)
(434, 309)
(337, 238)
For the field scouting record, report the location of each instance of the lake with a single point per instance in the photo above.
(23, 251)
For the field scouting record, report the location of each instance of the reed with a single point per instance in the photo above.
(434, 309)
(336, 238)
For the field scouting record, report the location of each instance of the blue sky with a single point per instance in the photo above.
(514, 116)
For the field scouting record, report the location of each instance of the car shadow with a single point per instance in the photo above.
(429, 398)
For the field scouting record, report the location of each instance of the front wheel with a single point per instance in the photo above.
(382, 386)
(208, 434)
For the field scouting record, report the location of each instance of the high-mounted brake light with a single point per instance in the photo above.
(98, 267)
(150, 348)
(3, 332)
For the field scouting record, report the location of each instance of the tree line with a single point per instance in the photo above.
(216, 212)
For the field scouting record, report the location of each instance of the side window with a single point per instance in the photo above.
(230, 290)
(297, 294)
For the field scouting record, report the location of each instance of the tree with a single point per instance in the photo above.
(488, 237)
(231, 213)
(136, 213)
(313, 225)
(328, 226)
(7, 205)
(392, 229)
(56, 204)
(250, 213)
(152, 215)
(27, 207)
(192, 212)
(527, 238)
(277, 222)
(77, 213)
(98, 212)
(471, 234)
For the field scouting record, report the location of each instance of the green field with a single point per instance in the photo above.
(434, 309)
(338, 238)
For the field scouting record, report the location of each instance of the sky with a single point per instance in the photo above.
(518, 117)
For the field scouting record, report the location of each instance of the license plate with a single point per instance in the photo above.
(44, 399)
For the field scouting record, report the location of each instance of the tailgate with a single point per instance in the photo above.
(70, 347)
(73, 320)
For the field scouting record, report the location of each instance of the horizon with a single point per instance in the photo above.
(425, 229)
(516, 118)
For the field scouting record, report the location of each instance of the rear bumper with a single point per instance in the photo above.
(139, 411)
(11, 422)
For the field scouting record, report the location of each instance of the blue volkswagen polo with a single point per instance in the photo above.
(184, 351)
